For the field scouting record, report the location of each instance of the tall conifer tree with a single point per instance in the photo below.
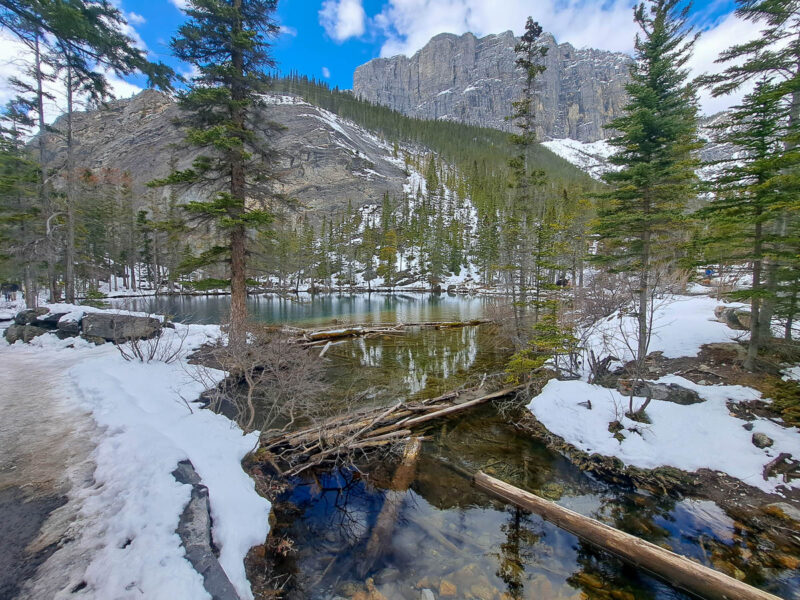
(228, 43)
(657, 137)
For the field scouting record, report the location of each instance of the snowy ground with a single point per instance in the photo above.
(703, 435)
(122, 542)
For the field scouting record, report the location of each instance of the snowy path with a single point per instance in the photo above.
(45, 452)
(98, 438)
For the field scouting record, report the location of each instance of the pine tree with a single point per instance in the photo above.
(228, 42)
(774, 55)
(749, 196)
(658, 135)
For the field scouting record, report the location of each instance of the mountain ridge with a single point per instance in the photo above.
(474, 80)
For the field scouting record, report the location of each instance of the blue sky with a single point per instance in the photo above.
(329, 39)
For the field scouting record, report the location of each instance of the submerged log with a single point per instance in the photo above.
(675, 569)
(384, 525)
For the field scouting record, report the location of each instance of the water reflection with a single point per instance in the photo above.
(305, 309)
(459, 543)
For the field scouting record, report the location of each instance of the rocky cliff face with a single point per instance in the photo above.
(324, 160)
(474, 80)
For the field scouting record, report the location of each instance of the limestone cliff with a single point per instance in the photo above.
(474, 80)
(324, 160)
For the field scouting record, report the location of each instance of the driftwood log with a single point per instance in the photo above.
(675, 569)
(321, 336)
(291, 454)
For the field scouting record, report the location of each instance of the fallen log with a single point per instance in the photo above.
(673, 568)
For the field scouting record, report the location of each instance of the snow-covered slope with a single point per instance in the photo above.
(591, 157)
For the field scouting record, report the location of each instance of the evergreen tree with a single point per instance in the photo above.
(750, 194)
(228, 42)
(774, 55)
(658, 135)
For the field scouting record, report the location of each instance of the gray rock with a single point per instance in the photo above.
(29, 315)
(761, 440)
(474, 80)
(68, 328)
(49, 320)
(194, 529)
(735, 318)
(748, 426)
(322, 164)
(667, 392)
(23, 332)
(427, 594)
(115, 327)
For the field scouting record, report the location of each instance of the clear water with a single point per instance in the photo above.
(305, 309)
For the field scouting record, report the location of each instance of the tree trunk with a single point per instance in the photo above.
(238, 236)
(644, 293)
(69, 255)
(755, 302)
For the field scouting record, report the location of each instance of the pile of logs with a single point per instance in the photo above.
(335, 440)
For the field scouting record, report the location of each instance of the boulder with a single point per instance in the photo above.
(735, 318)
(23, 332)
(29, 315)
(115, 327)
(761, 440)
(667, 392)
(49, 321)
(68, 326)
(426, 594)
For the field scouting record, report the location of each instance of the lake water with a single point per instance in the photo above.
(306, 309)
(447, 536)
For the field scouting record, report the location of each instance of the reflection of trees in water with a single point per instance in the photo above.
(414, 362)
(516, 551)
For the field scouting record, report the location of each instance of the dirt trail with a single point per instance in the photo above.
(45, 453)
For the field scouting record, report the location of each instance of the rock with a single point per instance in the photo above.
(23, 332)
(94, 339)
(49, 320)
(667, 392)
(194, 530)
(735, 318)
(761, 440)
(426, 594)
(115, 327)
(748, 426)
(474, 80)
(29, 315)
(68, 327)
(447, 589)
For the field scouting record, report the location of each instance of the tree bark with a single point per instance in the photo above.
(238, 234)
(69, 255)
(755, 302)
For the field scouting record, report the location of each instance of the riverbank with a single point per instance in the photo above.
(122, 539)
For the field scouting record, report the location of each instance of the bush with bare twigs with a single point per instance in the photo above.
(273, 383)
(164, 347)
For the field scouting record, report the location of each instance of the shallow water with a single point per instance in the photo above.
(450, 537)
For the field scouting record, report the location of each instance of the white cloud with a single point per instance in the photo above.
(408, 25)
(136, 18)
(179, 4)
(342, 19)
(728, 31)
(286, 30)
(326, 72)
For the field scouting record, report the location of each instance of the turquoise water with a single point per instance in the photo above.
(305, 309)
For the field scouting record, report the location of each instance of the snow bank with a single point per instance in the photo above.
(691, 437)
(681, 325)
(128, 518)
